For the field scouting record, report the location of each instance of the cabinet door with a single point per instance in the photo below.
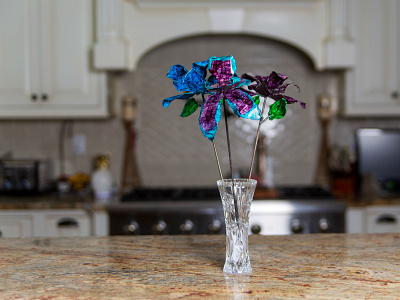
(45, 69)
(16, 226)
(69, 83)
(373, 86)
(18, 54)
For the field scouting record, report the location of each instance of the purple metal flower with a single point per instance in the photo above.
(272, 86)
(225, 85)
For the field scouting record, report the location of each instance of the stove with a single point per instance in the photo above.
(172, 211)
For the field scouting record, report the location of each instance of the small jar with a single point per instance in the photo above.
(102, 179)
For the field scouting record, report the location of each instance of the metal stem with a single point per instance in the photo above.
(230, 164)
(219, 165)
(256, 141)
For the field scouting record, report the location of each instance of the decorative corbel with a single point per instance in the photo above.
(339, 46)
(226, 20)
(112, 50)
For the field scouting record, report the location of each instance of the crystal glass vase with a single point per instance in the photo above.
(236, 196)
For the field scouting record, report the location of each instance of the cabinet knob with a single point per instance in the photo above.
(44, 97)
(256, 229)
(395, 95)
(34, 97)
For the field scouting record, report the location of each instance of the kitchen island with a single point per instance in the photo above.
(162, 267)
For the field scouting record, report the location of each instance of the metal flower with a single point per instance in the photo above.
(272, 87)
(192, 82)
(225, 85)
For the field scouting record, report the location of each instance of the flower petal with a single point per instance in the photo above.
(223, 68)
(210, 115)
(290, 100)
(195, 78)
(167, 101)
(242, 104)
(176, 72)
(274, 80)
(249, 77)
(189, 81)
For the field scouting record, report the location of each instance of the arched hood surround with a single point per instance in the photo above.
(127, 29)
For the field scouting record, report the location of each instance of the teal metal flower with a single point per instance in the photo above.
(225, 85)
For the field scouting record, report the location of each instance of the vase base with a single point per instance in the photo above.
(232, 269)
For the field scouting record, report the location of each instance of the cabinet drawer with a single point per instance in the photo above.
(382, 220)
(67, 224)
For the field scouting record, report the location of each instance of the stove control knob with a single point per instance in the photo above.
(214, 227)
(255, 229)
(324, 225)
(132, 228)
(186, 227)
(297, 227)
(160, 228)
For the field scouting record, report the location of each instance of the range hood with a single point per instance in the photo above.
(127, 29)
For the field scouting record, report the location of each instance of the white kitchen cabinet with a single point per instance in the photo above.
(46, 223)
(16, 224)
(45, 60)
(373, 219)
(373, 85)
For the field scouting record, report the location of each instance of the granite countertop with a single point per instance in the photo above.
(330, 266)
(50, 201)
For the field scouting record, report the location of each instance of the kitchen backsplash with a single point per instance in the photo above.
(172, 150)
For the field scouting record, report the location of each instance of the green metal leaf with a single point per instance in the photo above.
(256, 99)
(189, 108)
(277, 110)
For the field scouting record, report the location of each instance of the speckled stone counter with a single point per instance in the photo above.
(331, 266)
(49, 202)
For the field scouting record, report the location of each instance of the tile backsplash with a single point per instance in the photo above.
(172, 150)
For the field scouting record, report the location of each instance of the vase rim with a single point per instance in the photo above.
(243, 180)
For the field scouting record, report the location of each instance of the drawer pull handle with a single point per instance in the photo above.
(67, 222)
(386, 219)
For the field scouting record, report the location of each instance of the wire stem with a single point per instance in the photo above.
(257, 136)
(230, 165)
(219, 165)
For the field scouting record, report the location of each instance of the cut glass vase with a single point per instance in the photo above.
(237, 260)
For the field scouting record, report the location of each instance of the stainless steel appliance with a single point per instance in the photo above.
(24, 176)
(377, 152)
(199, 211)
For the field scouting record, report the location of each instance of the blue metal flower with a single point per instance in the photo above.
(192, 82)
